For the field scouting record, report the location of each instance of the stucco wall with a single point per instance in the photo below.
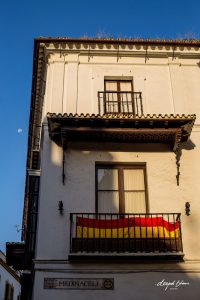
(168, 86)
(128, 284)
(78, 193)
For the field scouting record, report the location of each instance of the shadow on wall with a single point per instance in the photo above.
(63, 168)
(189, 145)
(156, 281)
(123, 147)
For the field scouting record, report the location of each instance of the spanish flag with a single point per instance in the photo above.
(132, 227)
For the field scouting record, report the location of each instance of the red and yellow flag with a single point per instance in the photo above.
(132, 227)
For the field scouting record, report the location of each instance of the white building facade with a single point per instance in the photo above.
(10, 288)
(111, 202)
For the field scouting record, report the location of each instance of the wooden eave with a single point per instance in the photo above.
(15, 255)
(126, 128)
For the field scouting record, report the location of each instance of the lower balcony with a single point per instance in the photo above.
(125, 235)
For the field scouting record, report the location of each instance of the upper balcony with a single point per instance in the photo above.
(120, 128)
(125, 235)
(123, 102)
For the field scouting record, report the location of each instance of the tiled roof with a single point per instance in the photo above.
(120, 127)
(112, 39)
(124, 116)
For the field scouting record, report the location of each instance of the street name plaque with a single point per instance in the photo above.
(79, 283)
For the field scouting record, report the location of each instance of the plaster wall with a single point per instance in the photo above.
(78, 193)
(168, 86)
(128, 284)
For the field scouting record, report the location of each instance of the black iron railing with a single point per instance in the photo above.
(104, 233)
(120, 102)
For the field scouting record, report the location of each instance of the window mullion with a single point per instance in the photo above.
(119, 96)
(121, 190)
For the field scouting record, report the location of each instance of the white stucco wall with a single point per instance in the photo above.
(6, 276)
(78, 193)
(129, 283)
(168, 86)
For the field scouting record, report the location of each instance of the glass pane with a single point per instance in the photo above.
(108, 202)
(125, 86)
(112, 102)
(107, 179)
(7, 290)
(111, 98)
(126, 102)
(111, 86)
(133, 179)
(135, 202)
(11, 293)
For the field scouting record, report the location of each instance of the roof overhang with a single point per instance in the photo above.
(111, 40)
(15, 255)
(18, 257)
(120, 128)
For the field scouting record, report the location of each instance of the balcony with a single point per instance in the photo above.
(120, 128)
(125, 235)
(120, 103)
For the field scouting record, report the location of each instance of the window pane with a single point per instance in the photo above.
(111, 86)
(135, 202)
(134, 179)
(11, 292)
(125, 86)
(112, 105)
(126, 102)
(111, 98)
(7, 288)
(107, 179)
(111, 102)
(108, 202)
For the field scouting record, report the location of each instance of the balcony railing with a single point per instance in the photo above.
(120, 102)
(125, 233)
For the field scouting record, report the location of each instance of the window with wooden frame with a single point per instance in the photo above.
(121, 188)
(119, 96)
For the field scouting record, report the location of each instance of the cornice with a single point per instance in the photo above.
(126, 50)
(111, 40)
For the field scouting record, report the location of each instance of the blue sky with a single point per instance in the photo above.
(20, 22)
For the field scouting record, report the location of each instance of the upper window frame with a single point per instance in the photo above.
(118, 81)
(119, 93)
(121, 166)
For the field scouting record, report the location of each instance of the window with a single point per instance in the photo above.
(121, 188)
(34, 184)
(9, 291)
(119, 97)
